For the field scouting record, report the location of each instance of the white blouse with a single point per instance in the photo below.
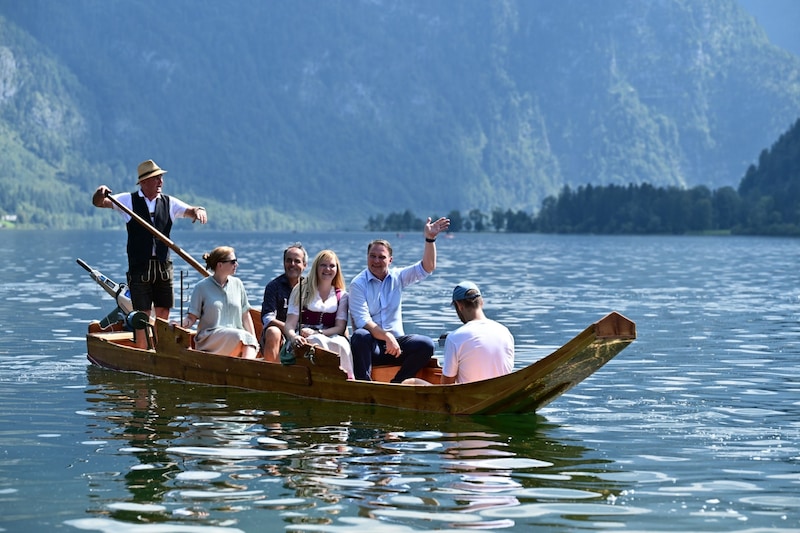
(318, 305)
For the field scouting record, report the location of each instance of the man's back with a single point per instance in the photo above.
(480, 349)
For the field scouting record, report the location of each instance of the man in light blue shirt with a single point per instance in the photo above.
(376, 309)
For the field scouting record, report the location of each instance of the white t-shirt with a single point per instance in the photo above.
(480, 349)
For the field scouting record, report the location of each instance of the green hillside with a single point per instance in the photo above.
(323, 113)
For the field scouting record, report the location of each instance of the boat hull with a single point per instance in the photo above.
(316, 374)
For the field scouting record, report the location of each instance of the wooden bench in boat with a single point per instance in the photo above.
(382, 373)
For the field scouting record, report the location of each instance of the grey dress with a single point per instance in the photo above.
(220, 309)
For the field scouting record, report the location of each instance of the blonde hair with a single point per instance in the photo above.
(220, 253)
(311, 283)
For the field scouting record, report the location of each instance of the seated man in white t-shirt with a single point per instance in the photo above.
(481, 348)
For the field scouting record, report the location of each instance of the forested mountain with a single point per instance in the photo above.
(766, 203)
(322, 113)
(772, 187)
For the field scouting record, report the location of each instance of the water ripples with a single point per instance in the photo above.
(692, 428)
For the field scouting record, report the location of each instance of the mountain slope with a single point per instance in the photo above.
(780, 19)
(323, 113)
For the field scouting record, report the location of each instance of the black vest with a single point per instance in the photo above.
(140, 241)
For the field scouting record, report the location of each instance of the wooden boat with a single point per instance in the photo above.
(316, 373)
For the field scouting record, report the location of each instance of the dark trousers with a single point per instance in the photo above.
(151, 285)
(416, 351)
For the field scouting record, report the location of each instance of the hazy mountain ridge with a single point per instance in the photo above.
(779, 18)
(387, 105)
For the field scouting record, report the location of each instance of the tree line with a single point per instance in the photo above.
(767, 202)
(614, 209)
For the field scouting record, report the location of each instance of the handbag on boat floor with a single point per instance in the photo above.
(286, 355)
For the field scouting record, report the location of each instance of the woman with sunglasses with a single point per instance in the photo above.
(220, 302)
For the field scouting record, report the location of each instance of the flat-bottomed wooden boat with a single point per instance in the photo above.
(316, 373)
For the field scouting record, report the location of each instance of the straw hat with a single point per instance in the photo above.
(149, 169)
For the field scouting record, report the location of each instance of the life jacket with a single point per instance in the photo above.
(319, 319)
(140, 240)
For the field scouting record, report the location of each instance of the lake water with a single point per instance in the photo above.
(694, 427)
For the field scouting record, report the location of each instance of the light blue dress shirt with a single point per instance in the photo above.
(381, 301)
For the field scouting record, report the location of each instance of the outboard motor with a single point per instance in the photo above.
(137, 320)
(119, 291)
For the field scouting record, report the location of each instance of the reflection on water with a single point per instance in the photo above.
(693, 427)
(209, 453)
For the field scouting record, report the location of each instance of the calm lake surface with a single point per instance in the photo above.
(694, 427)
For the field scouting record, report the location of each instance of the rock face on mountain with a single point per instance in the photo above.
(322, 113)
(780, 19)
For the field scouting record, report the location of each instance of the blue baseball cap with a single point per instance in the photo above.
(466, 290)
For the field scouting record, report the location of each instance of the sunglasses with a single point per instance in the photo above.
(234, 260)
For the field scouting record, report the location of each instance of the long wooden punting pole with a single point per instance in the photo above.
(160, 236)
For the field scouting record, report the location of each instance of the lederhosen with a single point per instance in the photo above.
(149, 265)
